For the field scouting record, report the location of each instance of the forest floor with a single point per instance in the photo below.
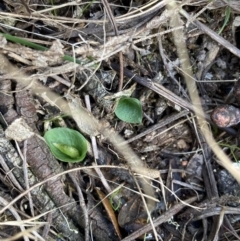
(171, 175)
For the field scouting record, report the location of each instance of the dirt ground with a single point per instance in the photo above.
(175, 175)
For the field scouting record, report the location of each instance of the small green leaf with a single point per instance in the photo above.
(66, 145)
(68, 150)
(226, 20)
(129, 110)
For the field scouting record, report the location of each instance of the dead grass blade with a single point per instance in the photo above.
(220, 221)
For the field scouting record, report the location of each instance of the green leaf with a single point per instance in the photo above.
(129, 110)
(226, 20)
(66, 145)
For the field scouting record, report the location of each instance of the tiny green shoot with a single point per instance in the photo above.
(86, 7)
(232, 149)
(54, 11)
(226, 20)
(112, 197)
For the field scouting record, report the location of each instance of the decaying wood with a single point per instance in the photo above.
(33, 57)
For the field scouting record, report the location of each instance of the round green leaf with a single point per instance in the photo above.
(129, 110)
(66, 145)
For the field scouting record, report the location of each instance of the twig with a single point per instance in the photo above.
(158, 126)
(46, 228)
(61, 80)
(146, 206)
(82, 205)
(3, 202)
(95, 152)
(93, 138)
(10, 174)
(226, 44)
(25, 172)
(164, 59)
(220, 221)
(112, 20)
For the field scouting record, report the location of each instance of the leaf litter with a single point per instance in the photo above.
(176, 168)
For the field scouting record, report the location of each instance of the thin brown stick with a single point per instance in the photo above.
(82, 205)
(226, 44)
(145, 204)
(112, 20)
(25, 166)
(158, 126)
(95, 151)
(46, 228)
(10, 175)
(15, 214)
(164, 59)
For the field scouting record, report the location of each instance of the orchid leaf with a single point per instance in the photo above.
(66, 145)
(129, 110)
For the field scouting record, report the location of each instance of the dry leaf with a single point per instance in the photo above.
(19, 130)
(110, 211)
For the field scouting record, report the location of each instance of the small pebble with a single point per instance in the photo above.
(226, 116)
